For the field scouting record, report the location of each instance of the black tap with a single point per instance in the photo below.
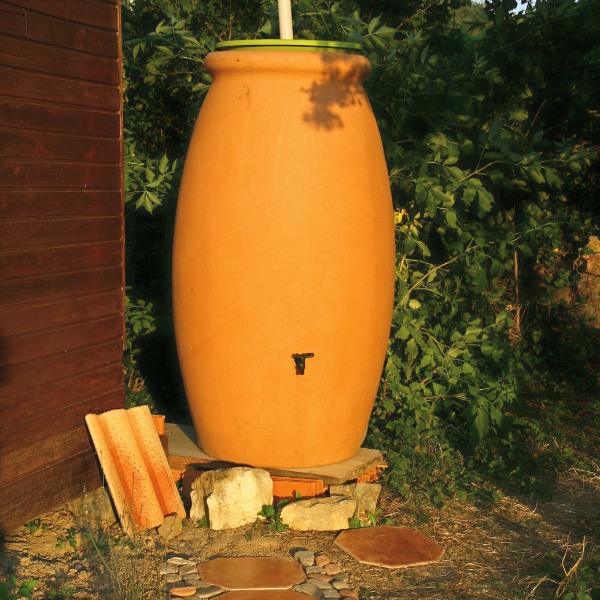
(300, 361)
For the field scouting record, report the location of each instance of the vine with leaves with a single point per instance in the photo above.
(488, 118)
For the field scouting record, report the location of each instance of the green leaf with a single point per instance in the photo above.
(479, 424)
(451, 218)
(480, 281)
(165, 50)
(402, 333)
(373, 24)
(164, 162)
(467, 369)
(469, 195)
(485, 200)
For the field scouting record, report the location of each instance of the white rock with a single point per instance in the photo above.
(198, 508)
(365, 495)
(319, 514)
(231, 497)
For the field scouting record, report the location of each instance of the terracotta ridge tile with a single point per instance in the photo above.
(135, 467)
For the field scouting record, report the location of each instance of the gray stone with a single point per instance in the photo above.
(172, 577)
(191, 578)
(171, 527)
(322, 585)
(314, 569)
(305, 557)
(308, 588)
(231, 497)
(319, 514)
(340, 584)
(165, 568)
(179, 560)
(330, 594)
(186, 569)
(93, 508)
(365, 495)
(208, 592)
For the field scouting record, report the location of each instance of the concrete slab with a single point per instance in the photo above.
(184, 453)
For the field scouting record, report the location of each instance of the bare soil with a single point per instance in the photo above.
(514, 548)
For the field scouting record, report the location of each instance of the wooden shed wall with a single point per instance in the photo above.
(61, 246)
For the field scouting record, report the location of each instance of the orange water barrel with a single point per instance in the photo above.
(283, 260)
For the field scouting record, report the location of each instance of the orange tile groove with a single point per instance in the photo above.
(287, 487)
(135, 467)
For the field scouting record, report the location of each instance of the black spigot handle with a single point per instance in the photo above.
(300, 361)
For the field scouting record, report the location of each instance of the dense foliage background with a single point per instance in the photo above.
(489, 118)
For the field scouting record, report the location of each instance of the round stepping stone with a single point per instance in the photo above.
(264, 595)
(252, 573)
(391, 547)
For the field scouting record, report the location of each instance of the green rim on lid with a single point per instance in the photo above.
(321, 45)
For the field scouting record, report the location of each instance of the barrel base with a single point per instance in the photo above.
(186, 454)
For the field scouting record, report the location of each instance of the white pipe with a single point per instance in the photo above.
(286, 31)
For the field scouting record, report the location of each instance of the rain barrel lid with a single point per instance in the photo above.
(321, 45)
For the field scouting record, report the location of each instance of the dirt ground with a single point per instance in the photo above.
(514, 548)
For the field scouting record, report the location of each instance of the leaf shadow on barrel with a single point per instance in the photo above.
(339, 86)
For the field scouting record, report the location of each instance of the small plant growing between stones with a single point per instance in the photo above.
(203, 522)
(272, 516)
(34, 525)
(11, 589)
(370, 521)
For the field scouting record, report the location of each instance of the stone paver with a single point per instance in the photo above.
(264, 595)
(391, 547)
(252, 573)
(183, 576)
